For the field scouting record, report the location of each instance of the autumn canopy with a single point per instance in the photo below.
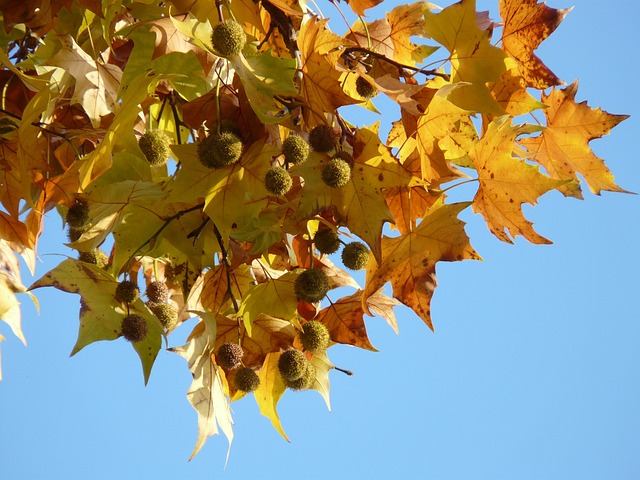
(210, 173)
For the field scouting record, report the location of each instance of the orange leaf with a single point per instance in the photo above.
(526, 24)
(409, 261)
(359, 6)
(506, 182)
(345, 321)
(563, 147)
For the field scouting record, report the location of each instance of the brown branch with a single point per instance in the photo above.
(400, 66)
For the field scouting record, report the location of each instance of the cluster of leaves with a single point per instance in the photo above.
(97, 96)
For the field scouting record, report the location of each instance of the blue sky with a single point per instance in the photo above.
(532, 371)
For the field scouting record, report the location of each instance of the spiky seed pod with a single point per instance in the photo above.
(365, 89)
(246, 379)
(219, 150)
(95, 257)
(311, 285)
(305, 382)
(157, 292)
(327, 241)
(229, 355)
(74, 234)
(315, 336)
(346, 156)
(127, 291)
(277, 181)
(134, 328)
(295, 149)
(292, 364)
(228, 38)
(78, 215)
(166, 313)
(336, 173)
(155, 146)
(322, 138)
(355, 255)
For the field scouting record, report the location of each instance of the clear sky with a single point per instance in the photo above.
(533, 371)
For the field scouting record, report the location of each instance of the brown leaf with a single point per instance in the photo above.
(526, 24)
(345, 321)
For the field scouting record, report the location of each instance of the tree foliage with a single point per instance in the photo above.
(96, 96)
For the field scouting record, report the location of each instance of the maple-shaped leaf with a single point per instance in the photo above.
(409, 261)
(97, 83)
(391, 36)
(234, 195)
(101, 314)
(473, 59)
(506, 182)
(321, 82)
(206, 392)
(270, 391)
(563, 147)
(9, 304)
(345, 318)
(360, 203)
(527, 24)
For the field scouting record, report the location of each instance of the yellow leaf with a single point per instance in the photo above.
(270, 391)
(563, 147)
(506, 182)
(526, 24)
(409, 261)
(511, 94)
(474, 60)
(322, 365)
(9, 304)
(436, 125)
(234, 195)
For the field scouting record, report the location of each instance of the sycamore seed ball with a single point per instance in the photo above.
(78, 215)
(155, 146)
(228, 38)
(327, 241)
(365, 89)
(314, 336)
(292, 364)
(295, 149)
(229, 355)
(277, 181)
(219, 150)
(134, 328)
(157, 292)
(355, 255)
(305, 382)
(322, 138)
(311, 285)
(346, 156)
(74, 234)
(336, 173)
(95, 257)
(166, 313)
(127, 291)
(247, 380)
